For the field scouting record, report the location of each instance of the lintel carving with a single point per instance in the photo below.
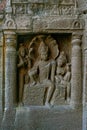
(45, 8)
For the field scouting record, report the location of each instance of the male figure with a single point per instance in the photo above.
(45, 69)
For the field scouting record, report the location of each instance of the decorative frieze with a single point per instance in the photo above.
(45, 8)
(53, 23)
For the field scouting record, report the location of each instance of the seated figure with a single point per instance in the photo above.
(61, 62)
(43, 72)
(62, 78)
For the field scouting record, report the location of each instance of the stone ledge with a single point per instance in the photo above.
(43, 118)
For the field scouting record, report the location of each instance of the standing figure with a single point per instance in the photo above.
(22, 71)
(66, 81)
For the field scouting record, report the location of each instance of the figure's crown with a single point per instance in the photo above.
(43, 48)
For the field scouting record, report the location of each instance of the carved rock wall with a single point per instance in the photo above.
(42, 16)
(21, 17)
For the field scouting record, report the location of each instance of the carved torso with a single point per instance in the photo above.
(44, 70)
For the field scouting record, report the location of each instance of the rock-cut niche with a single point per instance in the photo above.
(44, 69)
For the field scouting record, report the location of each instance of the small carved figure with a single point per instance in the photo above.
(21, 65)
(66, 81)
(62, 78)
(60, 72)
(21, 53)
(29, 58)
(45, 69)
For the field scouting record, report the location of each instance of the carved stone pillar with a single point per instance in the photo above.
(10, 68)
(85, 78)
(76, 62)
(1, 76)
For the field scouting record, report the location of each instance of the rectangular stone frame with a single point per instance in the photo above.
(10, 72)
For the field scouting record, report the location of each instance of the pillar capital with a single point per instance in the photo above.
(76, 39)
(10, 39)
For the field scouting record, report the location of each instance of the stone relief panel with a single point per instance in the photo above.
(60, 7)
(44, 71)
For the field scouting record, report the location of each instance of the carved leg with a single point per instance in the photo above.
(31, 76)
(68, 92)
(21, 85)
(49, 94)
(54, 96)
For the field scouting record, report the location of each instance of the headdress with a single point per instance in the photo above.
(62, 58)
(43, 48)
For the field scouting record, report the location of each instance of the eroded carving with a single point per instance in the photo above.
(9, 23)
(40, 8)
(62, 79)
(78, 24)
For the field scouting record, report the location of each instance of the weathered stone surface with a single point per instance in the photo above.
(31, 74)
(33, 95)
(60, 96)
(60, 118)
(26, 22)
(8, 119)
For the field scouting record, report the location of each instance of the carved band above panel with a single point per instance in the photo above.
(45, 7)
(42, 16)
(54, 23)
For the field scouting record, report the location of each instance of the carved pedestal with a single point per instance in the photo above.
(60, 95)
(76, 82)
(33, 95)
